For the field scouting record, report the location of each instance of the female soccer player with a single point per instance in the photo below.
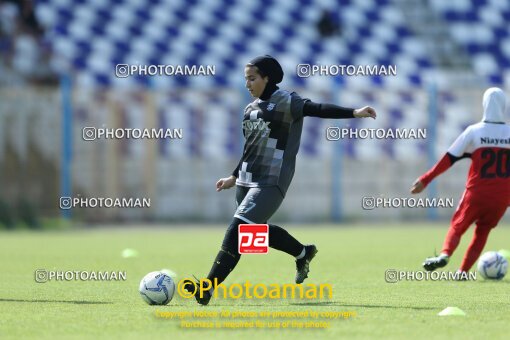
(272, 127)
(487, 192)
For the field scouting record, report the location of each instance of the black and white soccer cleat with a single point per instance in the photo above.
(303, 264)
(192, 287)
(432, 263)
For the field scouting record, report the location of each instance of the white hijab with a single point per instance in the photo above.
(494, 101)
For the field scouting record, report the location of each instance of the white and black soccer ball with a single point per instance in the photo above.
(157, 288)
(492, 266)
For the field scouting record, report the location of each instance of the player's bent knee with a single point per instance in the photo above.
(231, 239)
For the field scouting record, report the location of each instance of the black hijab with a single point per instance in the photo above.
(270, 67)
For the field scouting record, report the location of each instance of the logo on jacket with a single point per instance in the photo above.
(259, 124)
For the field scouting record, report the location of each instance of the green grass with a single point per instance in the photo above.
(352, 259)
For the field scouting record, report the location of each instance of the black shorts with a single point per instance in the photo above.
(257, 205)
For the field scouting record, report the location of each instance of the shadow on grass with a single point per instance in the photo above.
(76, 302)
(327, 303)
(314, 304)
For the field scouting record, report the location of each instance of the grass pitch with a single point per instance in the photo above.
(353, 259)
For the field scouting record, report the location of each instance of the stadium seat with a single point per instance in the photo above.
(92, 36)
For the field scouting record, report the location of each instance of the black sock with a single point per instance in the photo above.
(281, 240)
(224, 263)
(228, 256)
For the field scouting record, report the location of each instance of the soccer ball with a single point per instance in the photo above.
(157, 288)
(492, 266)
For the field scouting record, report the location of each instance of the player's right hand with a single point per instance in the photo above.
(225, 183)
(417, 187)
(365, 112)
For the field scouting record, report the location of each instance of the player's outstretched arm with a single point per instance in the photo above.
(444, 164)
(332, 111)
(225, 183)
(460, 147)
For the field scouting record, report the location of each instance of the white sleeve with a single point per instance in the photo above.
(463, 144)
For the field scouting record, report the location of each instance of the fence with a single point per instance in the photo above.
(179, 175)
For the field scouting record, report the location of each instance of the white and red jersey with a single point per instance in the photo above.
(488, 145)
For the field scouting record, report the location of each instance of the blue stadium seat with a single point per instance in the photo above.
(95, 35)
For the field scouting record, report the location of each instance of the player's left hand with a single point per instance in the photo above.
(417, 187)
(225, 183)
(365, 112)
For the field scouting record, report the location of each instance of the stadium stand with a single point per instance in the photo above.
(88, 38)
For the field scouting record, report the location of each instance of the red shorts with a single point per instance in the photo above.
(473, 208)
